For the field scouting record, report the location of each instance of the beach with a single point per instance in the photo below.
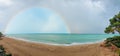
(24, 48)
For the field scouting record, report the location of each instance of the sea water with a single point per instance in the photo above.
(62, 38)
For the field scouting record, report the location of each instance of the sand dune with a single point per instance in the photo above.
(23, 48)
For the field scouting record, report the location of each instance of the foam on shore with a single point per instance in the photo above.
(57, 44)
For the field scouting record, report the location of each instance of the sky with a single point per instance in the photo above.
(76, 16)
(36, 20)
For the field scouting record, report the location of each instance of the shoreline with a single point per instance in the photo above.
(57, 44)
(24, 48)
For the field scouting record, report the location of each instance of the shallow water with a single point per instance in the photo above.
(62, 38)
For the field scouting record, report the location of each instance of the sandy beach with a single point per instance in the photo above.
(23, 48)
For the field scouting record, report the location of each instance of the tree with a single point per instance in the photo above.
(114, 25)
(1, 35)
(112, 28)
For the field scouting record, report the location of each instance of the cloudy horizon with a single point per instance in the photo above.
(80, 16)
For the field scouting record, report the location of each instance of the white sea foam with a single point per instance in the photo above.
(74, 43)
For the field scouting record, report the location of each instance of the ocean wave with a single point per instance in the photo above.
(58, 44)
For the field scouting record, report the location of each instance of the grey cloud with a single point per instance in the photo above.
(82, 16)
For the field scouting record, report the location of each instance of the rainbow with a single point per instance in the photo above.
(29, 7)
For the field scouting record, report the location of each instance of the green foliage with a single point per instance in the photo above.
(107, 45)
(112, 28)
(114, 40)
(114, 24)
(3, 52)
(1, 35)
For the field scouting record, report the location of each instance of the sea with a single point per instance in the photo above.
(62, 39)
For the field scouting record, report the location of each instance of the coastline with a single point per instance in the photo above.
(24, 48)
(56, 44)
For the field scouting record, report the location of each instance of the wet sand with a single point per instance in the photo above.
(23, 48)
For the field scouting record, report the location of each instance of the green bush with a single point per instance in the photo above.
(114, 40)
(3, 52)
(107, 45)
(1, 35)
(113, 27)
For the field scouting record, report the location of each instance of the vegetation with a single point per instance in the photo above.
(112, 28)
(118, 51)
(1, 35)
(114, 25)
(113, 40)
(3, 52)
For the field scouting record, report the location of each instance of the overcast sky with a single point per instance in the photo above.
(80, 16)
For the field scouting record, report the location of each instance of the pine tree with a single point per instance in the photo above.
(114, 25)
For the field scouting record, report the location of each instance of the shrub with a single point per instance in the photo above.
(3, 52)
(114, 40)
(1, 35)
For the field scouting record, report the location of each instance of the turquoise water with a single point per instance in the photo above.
(62, 38)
